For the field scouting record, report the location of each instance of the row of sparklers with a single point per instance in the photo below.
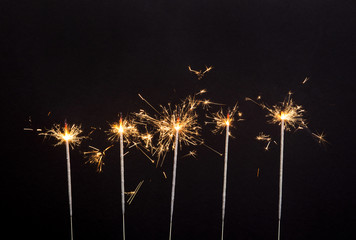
(171, 127)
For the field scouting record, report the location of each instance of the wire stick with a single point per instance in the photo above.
(280, 180)
(122, 183)
(173, 182)
(69, 189)
(225, 181)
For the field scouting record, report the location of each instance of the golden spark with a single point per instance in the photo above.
(265, 138)
(200, 74)
(95, 156)
(192, 153)
(132, 194)
(306, 79)
(320, 137)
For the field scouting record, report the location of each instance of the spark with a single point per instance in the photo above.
(200, 74)
(206, 103)
(265, 138)
(212, 149)
(143, 152)
(95, 156)
(320, 137)
(306, 79)
(191, 154)
(133, 193)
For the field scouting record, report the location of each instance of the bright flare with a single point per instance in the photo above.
(64, 134)
(181, 117)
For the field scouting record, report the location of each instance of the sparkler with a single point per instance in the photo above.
(125, 130)
(174, 126)
(224, 122)
(177, 128)
(164, 125)
(69, 135)
(288, 115)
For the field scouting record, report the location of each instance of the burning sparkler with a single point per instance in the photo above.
(222, 122)
(288, 115)
(69, 135)
(125, 130)
(164, 126)
(174, 126)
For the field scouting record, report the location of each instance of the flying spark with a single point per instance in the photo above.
(200, 74)
(320, 137)
(265, 138)
(132, 194)
(95, 156)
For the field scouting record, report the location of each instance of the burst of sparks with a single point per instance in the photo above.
(66, 133)
(200, 74)
(287, 111)
(222, 120)
(95, 156)
(181, 117)
(125, 126)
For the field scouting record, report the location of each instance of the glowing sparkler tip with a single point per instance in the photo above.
(283, 116)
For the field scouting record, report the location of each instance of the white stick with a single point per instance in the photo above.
(225, 180)
(173, 182)
(69, 190)
(280, 181)
(122, 183)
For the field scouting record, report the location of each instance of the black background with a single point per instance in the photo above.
(87, 61)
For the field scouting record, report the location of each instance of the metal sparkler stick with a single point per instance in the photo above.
(280, 179)
(69, 187)
(174, 178)
(121, 130)
(225, 178)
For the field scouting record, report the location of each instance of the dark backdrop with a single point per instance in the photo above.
(87, 61)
